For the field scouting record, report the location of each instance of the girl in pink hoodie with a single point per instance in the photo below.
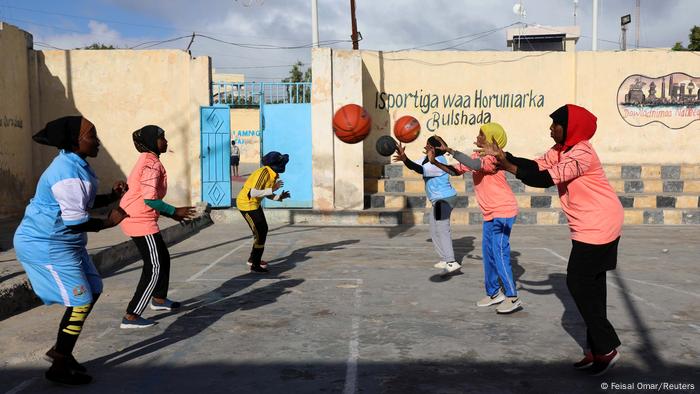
(595, 219)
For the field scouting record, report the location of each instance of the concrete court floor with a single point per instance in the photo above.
(361, 309)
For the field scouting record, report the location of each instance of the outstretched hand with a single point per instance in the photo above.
(183, 213)
(115, 216)
(492, 149)
(120, 188)
(443, 145)
(430, 153)
(400, 153)
(285, 194)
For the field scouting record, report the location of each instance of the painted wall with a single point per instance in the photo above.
(230, 78)
(245, 129)
(453, 93)
(337, 167)
(121, 91)
(16, 179)
(322, 153)
(450, 94)
(598, 79)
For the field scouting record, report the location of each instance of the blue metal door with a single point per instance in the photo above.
(287, 129)
(216, 155)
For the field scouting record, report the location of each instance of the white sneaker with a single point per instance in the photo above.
(492, 300)
(509, 305)
(440, 265)
(451, 267)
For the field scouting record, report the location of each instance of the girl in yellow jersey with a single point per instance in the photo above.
(263, 182)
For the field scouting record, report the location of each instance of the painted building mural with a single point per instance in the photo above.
(672, 100)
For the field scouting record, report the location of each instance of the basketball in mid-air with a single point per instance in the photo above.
(386, 146)
(351, 123)
(406, 129)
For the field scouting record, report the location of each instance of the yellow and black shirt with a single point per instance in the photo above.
(263, 178)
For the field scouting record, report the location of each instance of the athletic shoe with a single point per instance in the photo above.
(168, 305)
(602, 363)
(586, 362)
(140, 322)
(440, 265)
(509, 305)
(258, 269)
(451, 267)
(52, 355)
(62, 374)
(492, 300)
(262, 264)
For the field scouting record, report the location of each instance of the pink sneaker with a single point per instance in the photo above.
(586, 362)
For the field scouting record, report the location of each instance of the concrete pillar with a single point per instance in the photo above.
(349, 158)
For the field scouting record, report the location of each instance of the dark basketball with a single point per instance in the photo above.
(386, 145)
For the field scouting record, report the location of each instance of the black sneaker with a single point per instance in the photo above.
(258, 269)
(62, 374)
(52, 355)
(602, 363)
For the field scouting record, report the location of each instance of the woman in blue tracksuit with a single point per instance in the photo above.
(443, 198)
(50, 241)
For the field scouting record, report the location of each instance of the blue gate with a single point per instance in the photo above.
(216, 155)
(285, 120)
(287, 129)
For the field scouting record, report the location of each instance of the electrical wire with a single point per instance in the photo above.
(249, 67)
(156, 43)
(41, 44)
(267, 46)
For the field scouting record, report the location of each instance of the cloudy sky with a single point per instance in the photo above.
(262, 38)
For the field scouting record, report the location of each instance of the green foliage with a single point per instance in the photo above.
(694, 37)
(678, 47)
(694, 44)
(297, 75)
(98, 45)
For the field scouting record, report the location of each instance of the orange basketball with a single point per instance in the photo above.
(351, 123)
(406, 129)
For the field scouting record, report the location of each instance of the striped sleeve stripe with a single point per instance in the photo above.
(262, 179)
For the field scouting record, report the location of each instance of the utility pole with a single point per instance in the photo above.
(595, 26)
(314, 23)
(355, 39)
(636, 15)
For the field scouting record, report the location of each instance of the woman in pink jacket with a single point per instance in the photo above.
(595, 219)
(148, 184)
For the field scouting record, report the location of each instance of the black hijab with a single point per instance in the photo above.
(145, 139)
(63, 133)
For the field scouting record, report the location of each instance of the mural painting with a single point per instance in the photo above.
(672, 100)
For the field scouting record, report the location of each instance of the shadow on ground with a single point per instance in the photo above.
(412, 376)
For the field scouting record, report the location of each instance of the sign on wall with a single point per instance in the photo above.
(672, 100)
(457, 108)
(248, 142)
